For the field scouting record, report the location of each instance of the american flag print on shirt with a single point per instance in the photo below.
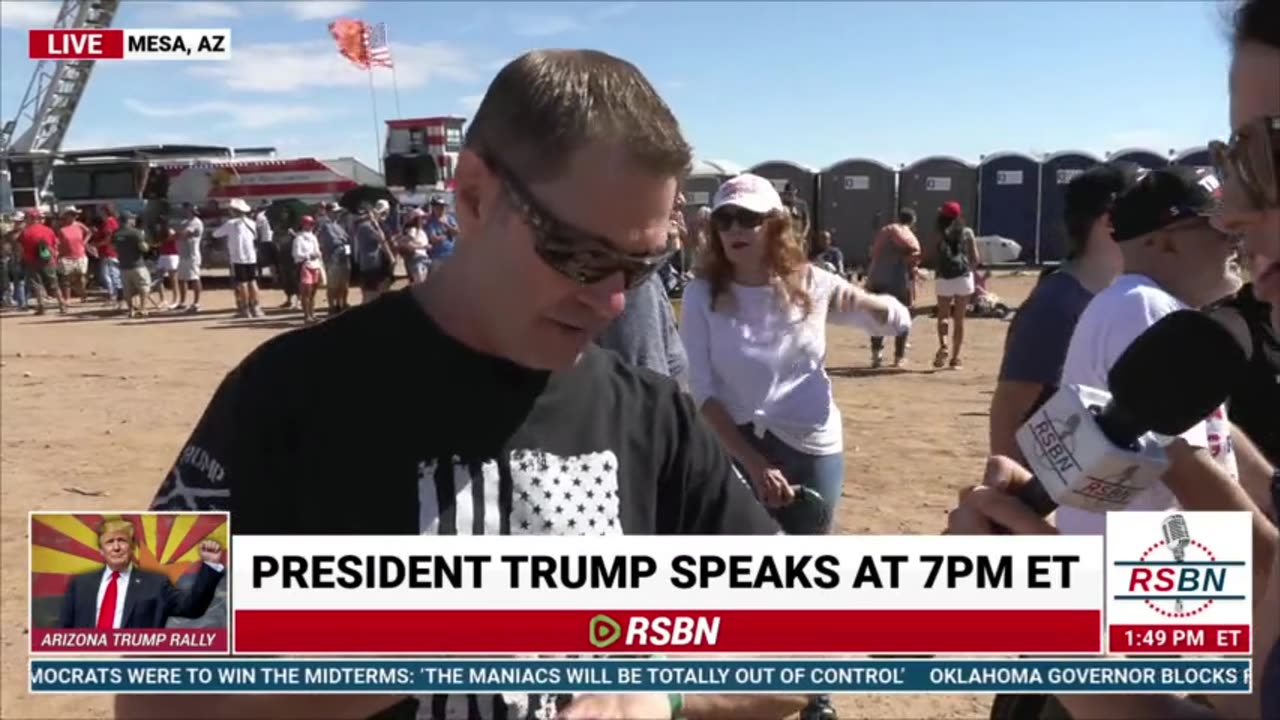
(532, 492)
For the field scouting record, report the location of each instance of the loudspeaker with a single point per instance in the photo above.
(22, 174)
(157, 187)
(25, 199)
(410, 171)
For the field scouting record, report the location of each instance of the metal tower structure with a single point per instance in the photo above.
(29, 142)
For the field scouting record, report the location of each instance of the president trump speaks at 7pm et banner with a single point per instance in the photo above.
(116, 583)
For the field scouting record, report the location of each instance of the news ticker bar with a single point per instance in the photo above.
(451, 676)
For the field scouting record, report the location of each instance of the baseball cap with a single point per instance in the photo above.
(1092, 193)
(749, 192)
(950, 209)
(1162, 197)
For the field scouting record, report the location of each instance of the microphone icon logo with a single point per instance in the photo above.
(1176, 538)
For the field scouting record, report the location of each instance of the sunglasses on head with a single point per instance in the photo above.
(1251, 160)
(726, 217)
(577, 254)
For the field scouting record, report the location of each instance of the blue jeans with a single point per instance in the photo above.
(823, 473)
(109, 276)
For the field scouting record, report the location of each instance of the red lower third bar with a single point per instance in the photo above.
(668, 632)
(1180, 639)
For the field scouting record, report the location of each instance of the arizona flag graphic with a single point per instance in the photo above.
(66, 545)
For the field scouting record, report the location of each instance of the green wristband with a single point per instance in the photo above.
(677, 705)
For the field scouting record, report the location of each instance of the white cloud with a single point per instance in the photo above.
(300, 66)
(613, 9)
(321, 9)
(470, 102)
(543, 25)
(195, 10)
(241, 115)
(32, 13)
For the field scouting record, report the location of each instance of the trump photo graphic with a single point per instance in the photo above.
(145, 571)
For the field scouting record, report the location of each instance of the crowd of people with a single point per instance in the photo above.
(551, 324)
(133, 261)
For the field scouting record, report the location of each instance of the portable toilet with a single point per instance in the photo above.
(1196, 157)
(858, 196)
(803, 179)
(1142, 157)
(1056, 171)
(703, 181)
(1009, 199)
(929, 182)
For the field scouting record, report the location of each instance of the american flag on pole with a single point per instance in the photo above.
(375, 40)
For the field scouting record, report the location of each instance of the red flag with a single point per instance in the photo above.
(350, 36)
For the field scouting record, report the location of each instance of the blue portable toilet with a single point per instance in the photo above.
(1056, 171)
(858, 197)
(1142, 157)
(803, 179)
(1009, 199)
(928, 183)
(1196, 157)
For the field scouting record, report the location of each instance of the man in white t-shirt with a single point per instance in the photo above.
(189, 239)
(1174, 258)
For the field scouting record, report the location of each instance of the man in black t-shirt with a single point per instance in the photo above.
(562, 213)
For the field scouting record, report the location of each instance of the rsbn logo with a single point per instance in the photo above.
(1178, 576)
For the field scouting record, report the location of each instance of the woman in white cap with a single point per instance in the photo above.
(754, 325)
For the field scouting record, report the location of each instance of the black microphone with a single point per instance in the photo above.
(1085, 446)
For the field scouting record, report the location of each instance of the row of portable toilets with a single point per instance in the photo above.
(1007, 194)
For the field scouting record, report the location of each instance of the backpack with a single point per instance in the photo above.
(953, 261)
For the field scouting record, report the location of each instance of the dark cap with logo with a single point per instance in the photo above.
(1163, 197)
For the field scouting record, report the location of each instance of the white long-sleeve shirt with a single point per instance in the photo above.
(766, 365)
(306, 249)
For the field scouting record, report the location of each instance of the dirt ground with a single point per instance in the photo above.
(102, 405)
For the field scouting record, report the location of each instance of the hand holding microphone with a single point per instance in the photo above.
(1092, 450)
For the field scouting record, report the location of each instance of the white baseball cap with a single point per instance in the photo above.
(749, 192)
(238, 204)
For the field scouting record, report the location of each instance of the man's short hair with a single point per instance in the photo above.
(115, 525)
(906, 216)
(547, 104)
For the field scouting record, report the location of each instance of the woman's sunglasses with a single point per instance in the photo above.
(1251, 160)
(577, 254)
(726, 217)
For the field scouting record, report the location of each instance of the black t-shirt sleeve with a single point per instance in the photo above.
(234, 460)
(713, 499)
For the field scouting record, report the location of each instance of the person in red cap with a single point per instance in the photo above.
(957, 257)
(306, 255)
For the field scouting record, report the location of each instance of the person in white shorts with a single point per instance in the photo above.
(189, 238)
(957, 257)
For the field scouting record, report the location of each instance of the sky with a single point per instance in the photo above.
(812, 83)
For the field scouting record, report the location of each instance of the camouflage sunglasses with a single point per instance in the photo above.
(577, 254)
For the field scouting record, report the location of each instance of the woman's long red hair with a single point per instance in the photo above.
(784, 257)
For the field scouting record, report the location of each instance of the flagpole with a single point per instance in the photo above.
(395, 86)
(377, 131)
